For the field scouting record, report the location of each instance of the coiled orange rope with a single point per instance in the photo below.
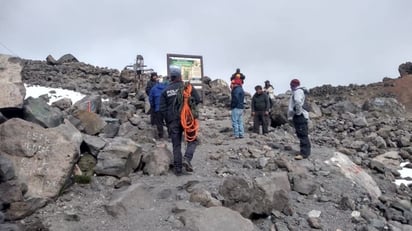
(189, 123)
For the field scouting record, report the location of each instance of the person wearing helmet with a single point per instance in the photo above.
(300, 117)
(173, 121)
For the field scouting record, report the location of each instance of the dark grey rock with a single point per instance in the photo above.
(51, 60)
(94, 144)
(112, 127)
(314, 223)
(303, 185)
(10, 227)
(10, 192)
(2, 217)
(19, 210)
(91, 102)
(67, 58)
(119, 158)
(62, 104)
(6, 169)
(38, 111)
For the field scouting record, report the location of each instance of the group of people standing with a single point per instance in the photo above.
(261, 106)
(163, 95)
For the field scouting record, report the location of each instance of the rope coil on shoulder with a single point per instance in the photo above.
(189, 123)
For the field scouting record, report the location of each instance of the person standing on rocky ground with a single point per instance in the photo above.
(260, 110)
(238, 75)
(237, 106)
(268, 88)
(300, 118)
(173, 121)
(149, 85)
(270, 91)
(154, 99)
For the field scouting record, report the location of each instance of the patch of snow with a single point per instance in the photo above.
(53, 93)
(405, 172)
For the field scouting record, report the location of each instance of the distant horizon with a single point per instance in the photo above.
(249, 89)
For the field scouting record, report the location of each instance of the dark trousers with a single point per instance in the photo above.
(152, 116)
(176, 131)
(301, 127)
(260, 118)
(158, 121)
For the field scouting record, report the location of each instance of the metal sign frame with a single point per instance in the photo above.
(191, 68)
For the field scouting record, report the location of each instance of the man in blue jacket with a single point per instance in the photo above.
(154, 99)
(237, 106)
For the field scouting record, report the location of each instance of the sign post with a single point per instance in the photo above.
(191, 67)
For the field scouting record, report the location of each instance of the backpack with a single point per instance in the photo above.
(178, 102)
(307, 104)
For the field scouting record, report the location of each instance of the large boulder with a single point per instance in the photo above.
(125, 201)
(119, 157)
(43, 158)
(88, 122)
(67, 58)
(356, 174)
(405, 69)
(12, 90)
(157, 162)
(91, 103)
(389, 106)
(387, 161)
(215, 218)
(246, 197)
(217, 93)
(37, 110)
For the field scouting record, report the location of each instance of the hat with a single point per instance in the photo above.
(295, 83)
(267, 81)
(175, 73)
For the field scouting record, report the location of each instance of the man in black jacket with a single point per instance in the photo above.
(171, 114)
(260, 110)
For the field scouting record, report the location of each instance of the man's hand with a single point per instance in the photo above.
(253, 113)
(266, 113)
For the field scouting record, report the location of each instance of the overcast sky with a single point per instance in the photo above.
(318, 41)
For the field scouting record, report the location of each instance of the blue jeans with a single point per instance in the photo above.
(237, 122)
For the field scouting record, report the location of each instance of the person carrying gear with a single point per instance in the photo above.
(174, 105)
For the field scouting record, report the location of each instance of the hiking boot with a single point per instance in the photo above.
(188, 166)
(299, 157)
(179, 172)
